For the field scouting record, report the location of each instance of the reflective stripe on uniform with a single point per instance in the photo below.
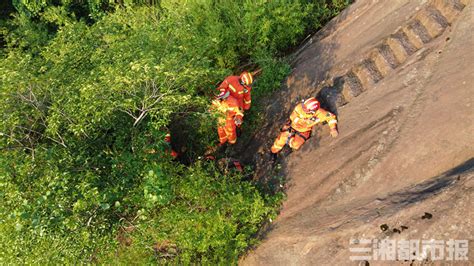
(291, 142)
(232, 88)
(232, 140)
(277, 146)
(334, 121)
(235, 109)
(247, 102)
(241, 92)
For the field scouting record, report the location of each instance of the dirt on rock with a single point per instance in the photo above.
(399, 75)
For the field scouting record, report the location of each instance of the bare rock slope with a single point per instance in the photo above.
(400, 76)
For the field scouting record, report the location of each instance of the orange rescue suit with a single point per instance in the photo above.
(237, 90)
(173, 153)
(228, 110)
(300, 127)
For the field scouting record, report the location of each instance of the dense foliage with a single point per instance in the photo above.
(89, 88)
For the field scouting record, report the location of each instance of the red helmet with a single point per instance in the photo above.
(310, 105)
(246, 78)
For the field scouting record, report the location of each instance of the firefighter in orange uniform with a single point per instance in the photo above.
(302, 120)
(229, 117)
(173, 153)
(239, 88)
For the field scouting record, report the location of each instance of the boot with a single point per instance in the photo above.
(238, 131)
(287, 151)
(273, 157)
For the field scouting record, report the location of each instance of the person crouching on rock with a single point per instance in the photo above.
(229, 116)
(302, 120)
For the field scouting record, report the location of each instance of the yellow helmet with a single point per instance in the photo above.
(246, 78)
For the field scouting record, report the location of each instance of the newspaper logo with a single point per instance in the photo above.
(408, 249)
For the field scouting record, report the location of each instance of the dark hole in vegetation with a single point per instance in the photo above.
(189, 135)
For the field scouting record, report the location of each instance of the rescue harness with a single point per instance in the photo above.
(287, 127)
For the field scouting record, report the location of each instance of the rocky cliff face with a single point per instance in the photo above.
(399, 75)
